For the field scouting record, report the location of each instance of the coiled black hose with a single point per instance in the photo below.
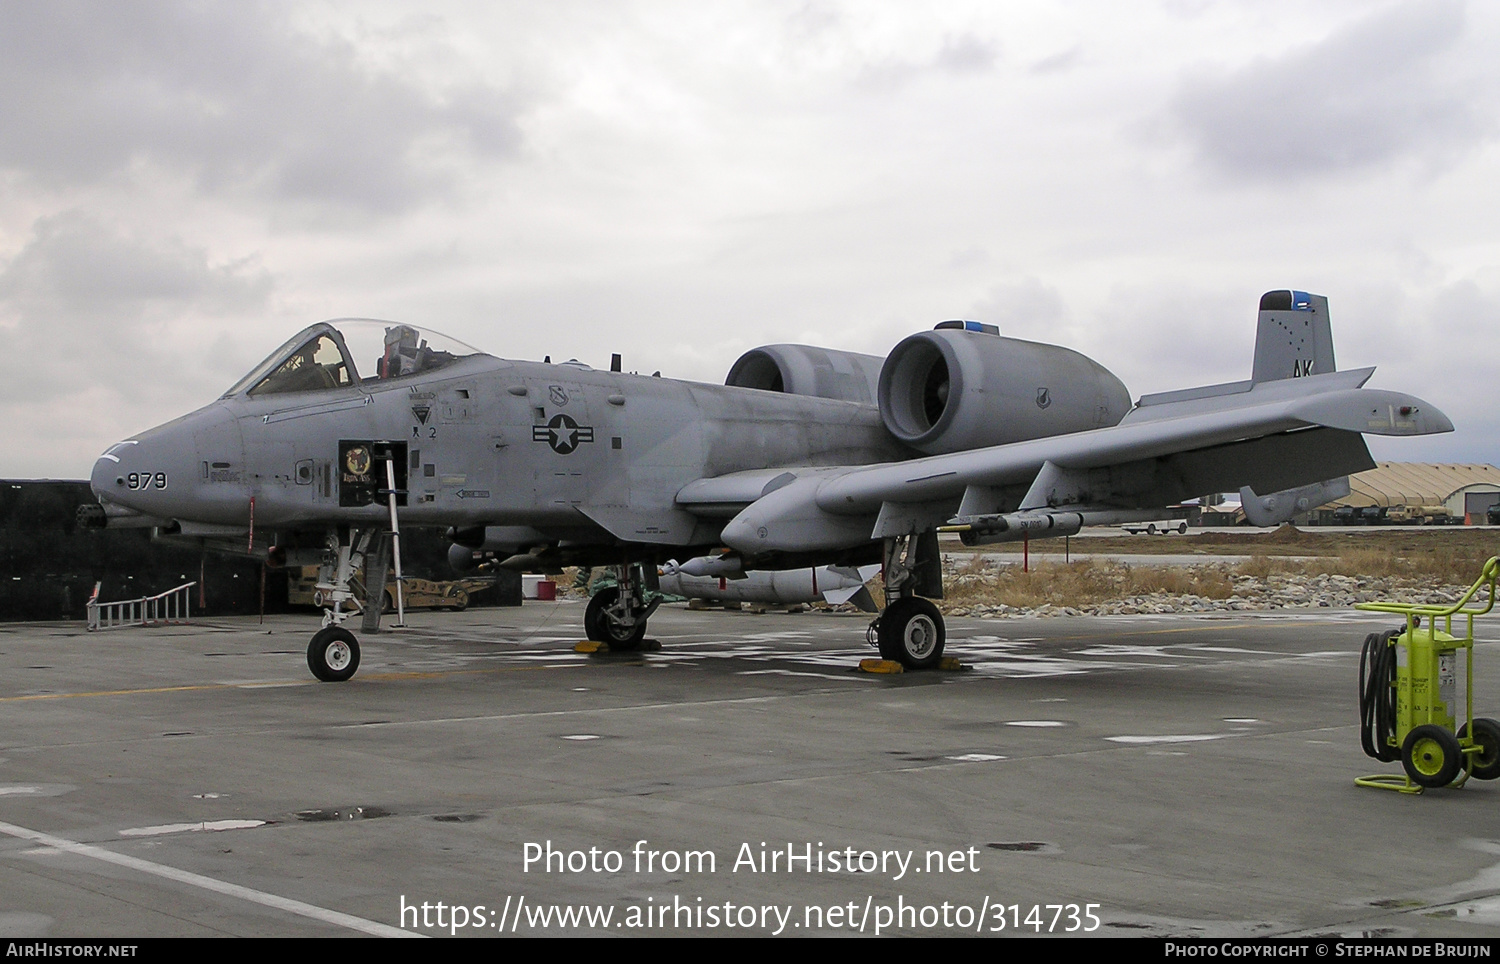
(1377, 696)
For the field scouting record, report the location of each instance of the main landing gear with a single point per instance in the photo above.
(910, 630)
(617, 615)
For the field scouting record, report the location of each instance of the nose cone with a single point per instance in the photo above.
(105, 469)
(126, 475)
(162, 472)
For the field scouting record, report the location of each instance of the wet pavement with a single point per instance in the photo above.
(1150, 775)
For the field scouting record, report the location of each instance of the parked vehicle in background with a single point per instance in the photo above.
(302, 590)
(1162, 526)
(1418, 515)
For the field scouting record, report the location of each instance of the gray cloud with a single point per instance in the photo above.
(83, 301)
(1161, 337)
(960, 55)
(1059, 62)
(1449, 366)
(1371, 92)
(231, 94)
(966, 53)
(75, 264)
(1024, 309)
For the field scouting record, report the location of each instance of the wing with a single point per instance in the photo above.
(1270, 437)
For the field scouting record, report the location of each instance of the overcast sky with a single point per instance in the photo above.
(182, 186)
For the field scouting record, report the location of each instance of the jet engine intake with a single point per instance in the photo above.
(804, 370)
(950, 390)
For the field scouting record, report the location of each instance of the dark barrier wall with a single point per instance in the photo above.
(48, 566)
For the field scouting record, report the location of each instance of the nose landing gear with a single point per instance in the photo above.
(333, 654)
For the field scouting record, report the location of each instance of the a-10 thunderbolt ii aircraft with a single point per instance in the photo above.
(805, 457)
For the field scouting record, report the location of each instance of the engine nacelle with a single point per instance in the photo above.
(805, 370)
(506, 539)
(463, 559)
(951, 389)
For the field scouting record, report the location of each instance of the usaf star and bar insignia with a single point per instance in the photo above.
(562, 434)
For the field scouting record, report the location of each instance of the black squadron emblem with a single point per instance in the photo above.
(557, 394)
(562, 434)
(1043, 398)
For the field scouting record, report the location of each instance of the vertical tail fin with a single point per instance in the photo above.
(1293, 337)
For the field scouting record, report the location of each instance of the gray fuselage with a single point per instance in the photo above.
(486, 442)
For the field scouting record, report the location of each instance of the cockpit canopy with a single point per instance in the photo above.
(322, 357)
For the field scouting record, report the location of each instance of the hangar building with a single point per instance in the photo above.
(1413, 491)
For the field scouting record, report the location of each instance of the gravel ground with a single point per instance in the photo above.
(1275, 591)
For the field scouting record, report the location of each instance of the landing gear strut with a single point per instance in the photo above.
(333, 654)
(910, 630)
(617, 614)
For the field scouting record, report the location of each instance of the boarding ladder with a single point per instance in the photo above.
(167, 607)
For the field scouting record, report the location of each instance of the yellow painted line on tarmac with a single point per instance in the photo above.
(439, 674)
(1153, 632)
(151, 689)
(264, 684)
(1184, 629)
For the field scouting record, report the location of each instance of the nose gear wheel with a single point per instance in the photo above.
(333, 654)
